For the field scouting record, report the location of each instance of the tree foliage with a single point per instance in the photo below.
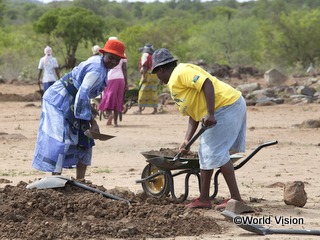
(72, 25)
(261, 33)
(293, 38)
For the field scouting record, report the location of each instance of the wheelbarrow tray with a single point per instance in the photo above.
(188, 163)
(131, 93)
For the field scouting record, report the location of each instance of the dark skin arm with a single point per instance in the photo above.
(57, 72)
(208, 120)
(125, 74)
(39, 76)
(94, 125)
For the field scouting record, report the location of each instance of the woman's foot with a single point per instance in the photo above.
(109, 122)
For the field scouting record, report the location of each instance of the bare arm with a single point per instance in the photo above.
(125, 74)
(94, 125)
(57, 72)
(208, 90)
(39, 76)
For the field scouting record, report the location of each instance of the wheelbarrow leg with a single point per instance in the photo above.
(215, 182)
(241, 164)
(186, 182)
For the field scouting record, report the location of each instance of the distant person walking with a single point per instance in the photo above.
(148, 88)
(95, 50)
(48, 69)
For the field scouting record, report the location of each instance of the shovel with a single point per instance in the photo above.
(60, 182)
(261, 230)
(168, 164)
(96, 135)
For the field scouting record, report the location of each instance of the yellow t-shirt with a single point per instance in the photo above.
(185, 85)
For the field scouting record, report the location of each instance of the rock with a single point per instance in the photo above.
(246, 88)
(262, 93)
(310, 123)
(294, 194)
(305, 90)
(274, 77)
(238, 207)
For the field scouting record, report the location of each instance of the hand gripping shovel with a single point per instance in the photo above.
(168, 164)
(60, 182)
(261, 230)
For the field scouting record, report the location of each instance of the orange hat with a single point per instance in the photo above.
(114, 46)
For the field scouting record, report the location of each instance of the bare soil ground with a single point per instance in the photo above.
(75, 213)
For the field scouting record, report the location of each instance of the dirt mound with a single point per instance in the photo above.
(74, 213)
(6, 97)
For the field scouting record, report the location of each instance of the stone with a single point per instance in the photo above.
(274, 77)
(294, 194)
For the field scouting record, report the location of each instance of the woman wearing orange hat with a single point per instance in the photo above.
(66, 114)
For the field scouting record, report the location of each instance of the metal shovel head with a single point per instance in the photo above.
(249, 227)
(99, 136)
(60, 182)
(49, 182)
(164, 163)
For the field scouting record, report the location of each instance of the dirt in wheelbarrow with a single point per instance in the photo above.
(171, 152)
(74, 213)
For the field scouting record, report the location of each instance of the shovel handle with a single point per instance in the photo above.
(107, 195)
(191, 141)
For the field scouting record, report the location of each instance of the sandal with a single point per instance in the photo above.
(222, 205)
(196, 203)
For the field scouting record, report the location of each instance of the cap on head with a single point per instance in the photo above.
(147, 48)
(112, 38)
(48, 50)
(115, 47)
(160, 57)
(95, 49)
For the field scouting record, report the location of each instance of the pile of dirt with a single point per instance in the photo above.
(31, 97)
(74, 213)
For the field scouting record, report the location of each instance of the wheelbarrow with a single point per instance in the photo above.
(130, 99)
(157, 180)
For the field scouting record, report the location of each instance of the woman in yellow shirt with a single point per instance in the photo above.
(218, 106)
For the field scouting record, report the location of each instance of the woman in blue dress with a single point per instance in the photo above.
(66, 114)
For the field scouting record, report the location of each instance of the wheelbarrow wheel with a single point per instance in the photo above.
(157, 186)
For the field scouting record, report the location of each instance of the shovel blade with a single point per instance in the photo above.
(48, 182)
(99, 136)
(258, 229)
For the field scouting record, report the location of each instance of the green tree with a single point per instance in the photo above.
(72, 26)
(2, 7)
(293, 39)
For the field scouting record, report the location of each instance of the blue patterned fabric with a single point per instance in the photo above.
(66, 112)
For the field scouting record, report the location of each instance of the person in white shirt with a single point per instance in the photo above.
(48, 69)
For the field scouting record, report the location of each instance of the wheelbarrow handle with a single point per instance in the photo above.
(191, 141)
